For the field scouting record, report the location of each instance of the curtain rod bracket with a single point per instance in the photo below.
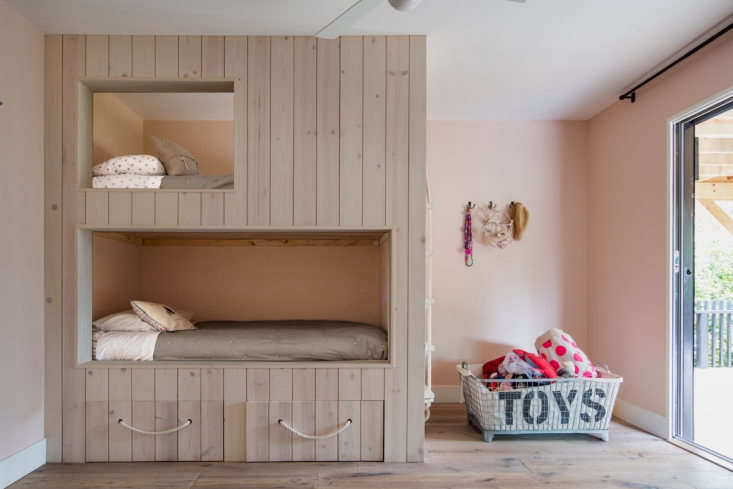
(630, 96)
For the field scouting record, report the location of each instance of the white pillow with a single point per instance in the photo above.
(122, 321)
(130, 165)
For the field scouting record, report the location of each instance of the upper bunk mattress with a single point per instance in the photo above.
(183, 182)
(274, 341)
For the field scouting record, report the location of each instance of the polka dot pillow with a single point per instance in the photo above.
(559, 348)
(130, 165)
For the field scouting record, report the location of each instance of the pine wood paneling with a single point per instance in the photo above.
(349, 384)
(327, 384)
(212, 209)
(281, 132)
(235, 203)
(189, 407)
(281, 384)
(212, 57)
(398, 49)
(143, 208)
(257, 431)
(304, 132)
(258, 130)
(372, 384)
(189, 209)
(375, 80)
(189, 57)
(120, 407)
(304, 384)
(143, 57)
(166, 413)
(143, 413)
(235, 395)
(235, 57)
(327, 421)
(416, 264)
(97, 56)
(349, 440)
(97, 421)
(372, 431)
(212, 414)
(120, 208)
(281, 440)
(53, 239)
(258, 384)
(351, 171)
(97, 208)
(166, 57)
(304, 420)
(166, 209)
(120, 57)
(327, 131)
(74, 381)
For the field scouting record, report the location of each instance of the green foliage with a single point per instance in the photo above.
(714, 271)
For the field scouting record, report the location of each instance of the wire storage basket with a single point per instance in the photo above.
(525, 406)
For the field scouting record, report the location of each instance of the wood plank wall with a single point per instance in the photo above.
(328, 134)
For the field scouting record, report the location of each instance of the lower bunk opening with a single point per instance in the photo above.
(316, 298)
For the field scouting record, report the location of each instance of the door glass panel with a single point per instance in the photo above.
(712, 304)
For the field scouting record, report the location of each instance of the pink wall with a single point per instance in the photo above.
(116, 275)
(242, 282)
(21, 215)
(511, 295)
(627, 217)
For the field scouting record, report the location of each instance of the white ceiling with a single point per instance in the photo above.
(179, 106)
(487, 59)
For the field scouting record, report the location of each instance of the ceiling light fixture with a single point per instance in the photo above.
(404, 5)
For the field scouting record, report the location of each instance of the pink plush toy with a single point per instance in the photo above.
(559, 348)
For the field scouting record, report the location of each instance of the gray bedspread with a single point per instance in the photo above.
(198, 182)
(274, 341)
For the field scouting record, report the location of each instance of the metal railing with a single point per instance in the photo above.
(713, 323)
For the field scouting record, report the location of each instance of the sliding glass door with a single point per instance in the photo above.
(703, 270)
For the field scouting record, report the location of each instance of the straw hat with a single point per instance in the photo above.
(520, 216)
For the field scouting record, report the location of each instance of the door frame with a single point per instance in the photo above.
(678, 234)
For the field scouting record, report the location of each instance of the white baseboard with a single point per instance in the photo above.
(22, 463)
(447, 393)
(642, 418)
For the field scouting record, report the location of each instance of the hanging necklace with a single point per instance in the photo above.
(468, 236)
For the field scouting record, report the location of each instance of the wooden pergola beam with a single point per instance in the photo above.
(714, 190)
(718, 213)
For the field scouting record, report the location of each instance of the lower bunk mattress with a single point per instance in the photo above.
(249, 341)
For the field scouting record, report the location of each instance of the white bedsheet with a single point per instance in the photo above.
(124, 345)
(127, 181)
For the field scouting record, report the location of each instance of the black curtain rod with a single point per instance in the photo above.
(631, 93)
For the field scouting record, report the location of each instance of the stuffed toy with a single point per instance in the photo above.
(560, 350)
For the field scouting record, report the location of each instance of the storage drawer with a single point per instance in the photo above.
(234, 414)
(360, 439)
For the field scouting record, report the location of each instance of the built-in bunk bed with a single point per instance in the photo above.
(316, 299)
(296, 282)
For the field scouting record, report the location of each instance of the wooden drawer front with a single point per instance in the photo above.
(234, 414)
(156, 400)
(268, 441)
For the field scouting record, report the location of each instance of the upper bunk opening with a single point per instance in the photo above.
(157, 135)
(253, 296)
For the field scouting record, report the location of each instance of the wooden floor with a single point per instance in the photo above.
(456, 457)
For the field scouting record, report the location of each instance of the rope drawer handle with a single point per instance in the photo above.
(282, 423)
(187, 423)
